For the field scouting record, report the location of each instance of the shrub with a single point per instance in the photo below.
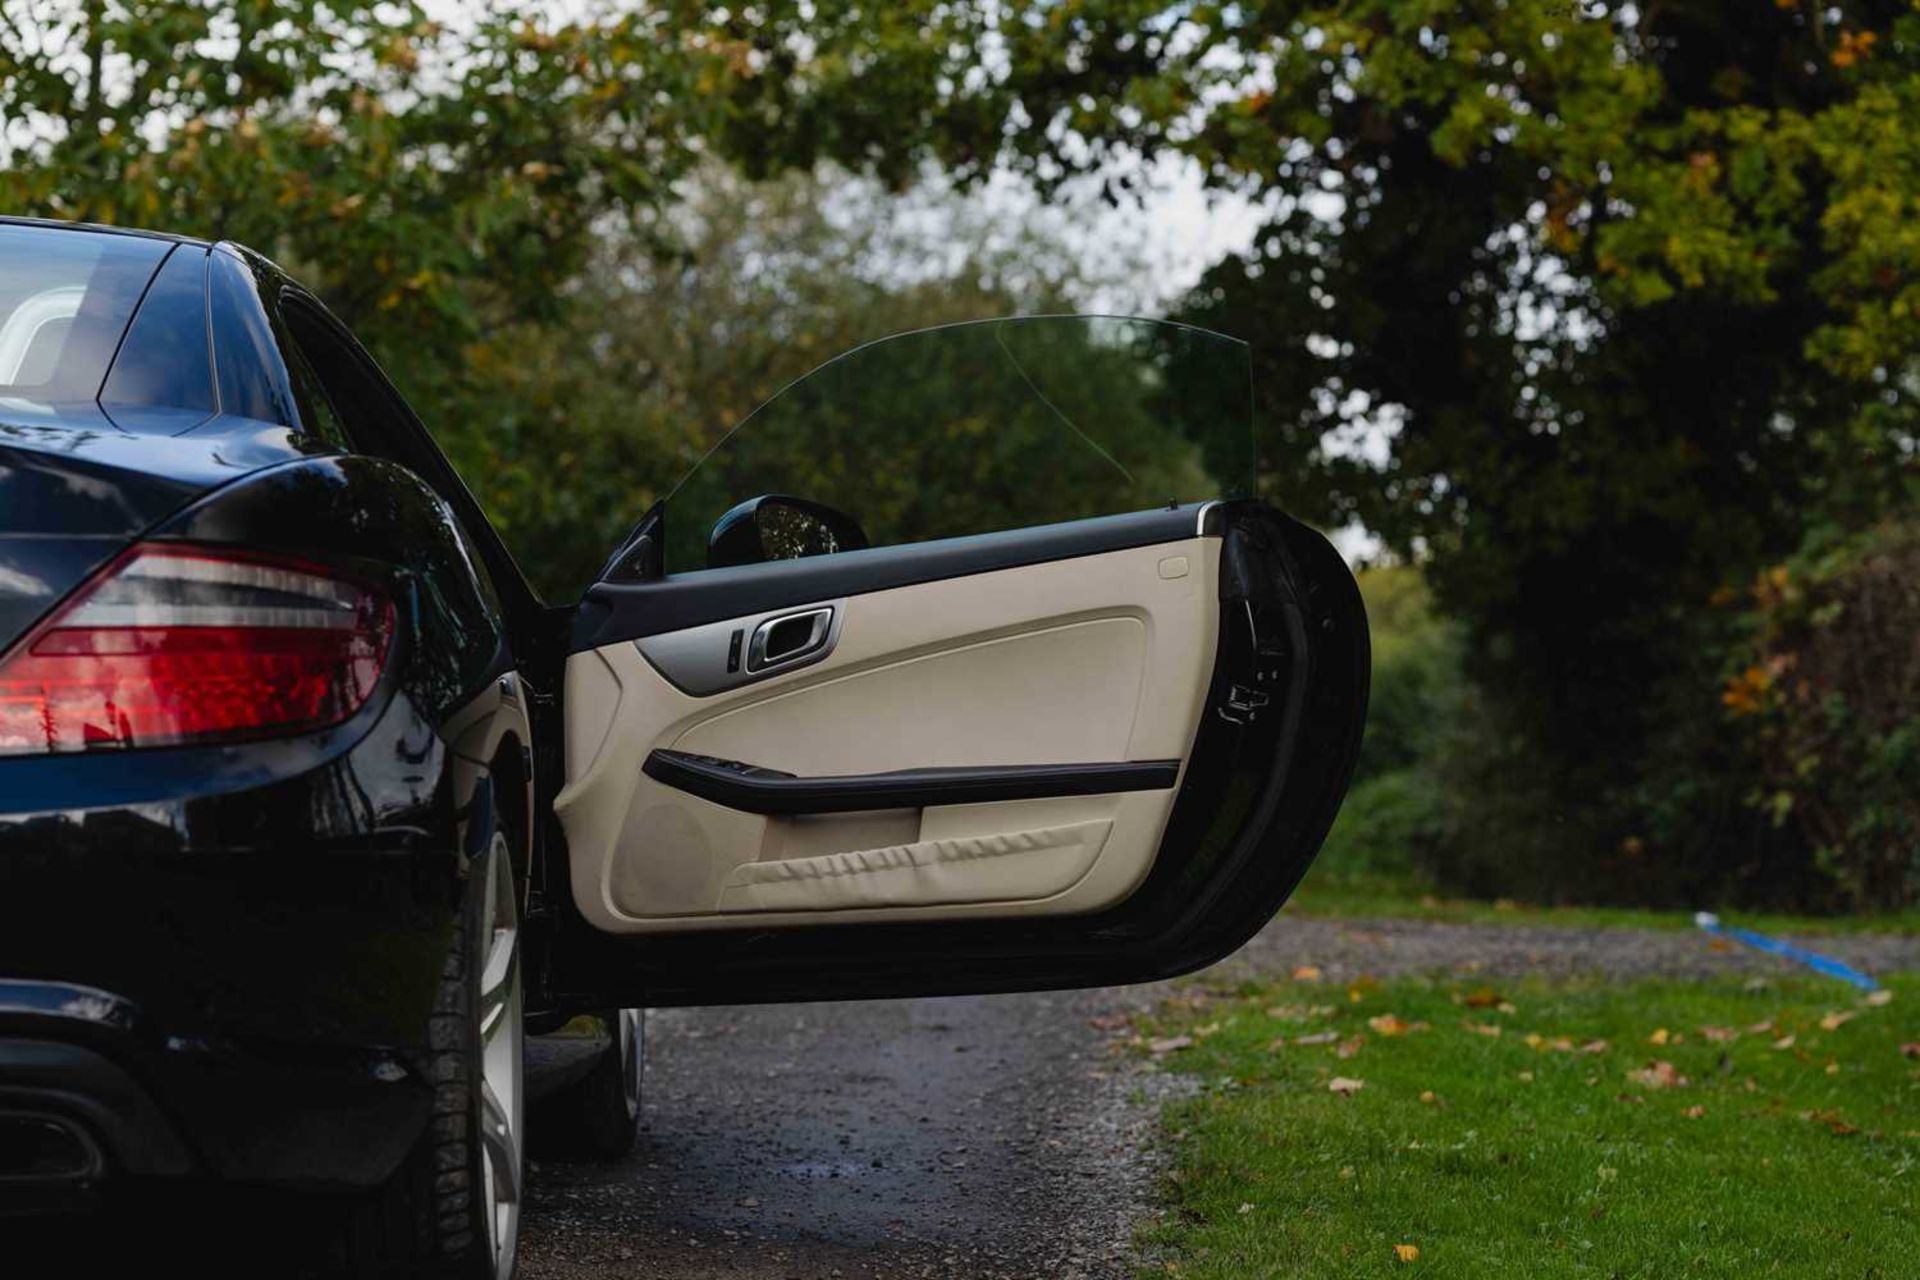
(1388, 828)
(1826, 688)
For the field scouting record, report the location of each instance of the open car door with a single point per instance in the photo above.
(967, 663)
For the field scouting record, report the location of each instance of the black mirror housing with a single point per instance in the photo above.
(777, 526)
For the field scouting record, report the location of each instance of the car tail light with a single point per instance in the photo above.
(176, 644)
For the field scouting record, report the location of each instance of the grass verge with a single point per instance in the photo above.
(1328, 892)
(1577, 1129)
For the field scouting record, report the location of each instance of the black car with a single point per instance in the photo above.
(311, 811)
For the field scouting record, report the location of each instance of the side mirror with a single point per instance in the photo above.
(775, 526)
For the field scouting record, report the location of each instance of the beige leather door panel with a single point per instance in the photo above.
(1097, 658)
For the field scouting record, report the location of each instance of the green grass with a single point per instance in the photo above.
(1539, 1159)
(1327, 891)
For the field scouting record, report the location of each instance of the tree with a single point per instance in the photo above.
(1629, 291)
(427, 178)
(529, 220)
(1621, 298)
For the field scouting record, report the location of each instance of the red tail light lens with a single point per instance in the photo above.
(177, 644)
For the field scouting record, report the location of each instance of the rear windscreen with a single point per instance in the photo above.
(65, 299)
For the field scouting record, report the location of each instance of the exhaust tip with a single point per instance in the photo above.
(42, 1148)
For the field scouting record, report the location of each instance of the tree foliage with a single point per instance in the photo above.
(428, 178)
(1589, 308)
(1593, 309)
(659, 353)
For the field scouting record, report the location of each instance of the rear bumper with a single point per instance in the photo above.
(237, 982)
(68, 1116)
(128, 1102)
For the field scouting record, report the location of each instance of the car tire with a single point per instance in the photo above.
(597, 1117)
(452, 1211)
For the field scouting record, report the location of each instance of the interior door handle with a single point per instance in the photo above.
(788, 638)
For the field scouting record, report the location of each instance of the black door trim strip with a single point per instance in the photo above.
(752, 789)
(628, 610)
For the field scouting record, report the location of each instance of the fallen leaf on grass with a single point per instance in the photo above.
(1299, 1012)
(1484, 998)
(1834, 1121)
(1429, 1097)
(1348, 1047)
(1880, 997)
(1246, 1208)
(1594, 1046)
(1318, 1037)
(1784, 1042)
(1487, 1029)
(1910, 1050)
(1387, 1024)
(1694, 1112)
(1659, 1036)
(1407, 1252)
(1658, 1075)
(1719, 1035)
(1168, 1044)
(1834, 1021)
(1361, 988)
(1345, 1086)
(1539, 1043)
(1307, 973)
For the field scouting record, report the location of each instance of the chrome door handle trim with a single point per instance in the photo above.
(821, 620)
(695, 662)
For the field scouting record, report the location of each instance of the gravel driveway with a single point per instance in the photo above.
(976, 1138)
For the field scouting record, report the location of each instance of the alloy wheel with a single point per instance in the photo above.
(632, 1029)
(502, 1084)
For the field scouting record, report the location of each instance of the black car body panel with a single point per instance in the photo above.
(277, 911)
(222, 959)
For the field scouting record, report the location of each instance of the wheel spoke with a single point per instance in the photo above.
(496, 1132)
(497, 980)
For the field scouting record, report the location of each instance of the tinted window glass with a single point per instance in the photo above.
(165, 361)
(976, 428)
(253, 378)
(316, 409)
(368, 411)
(65, 297)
